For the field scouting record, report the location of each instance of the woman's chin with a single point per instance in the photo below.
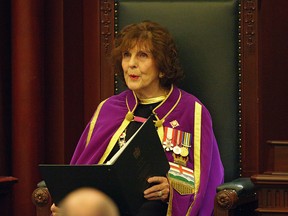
(133, 86)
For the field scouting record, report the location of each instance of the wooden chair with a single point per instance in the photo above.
(209, 35)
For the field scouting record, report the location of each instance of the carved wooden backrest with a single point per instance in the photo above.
(217, 45)
(233, 21)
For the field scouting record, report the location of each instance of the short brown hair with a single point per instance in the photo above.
(158, 40)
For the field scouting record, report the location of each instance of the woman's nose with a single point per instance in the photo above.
(133, 62)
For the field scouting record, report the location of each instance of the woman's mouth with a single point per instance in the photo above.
(133, 76)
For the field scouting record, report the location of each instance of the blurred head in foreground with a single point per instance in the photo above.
(88, 202)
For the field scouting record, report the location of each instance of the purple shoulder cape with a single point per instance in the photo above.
(178, 107)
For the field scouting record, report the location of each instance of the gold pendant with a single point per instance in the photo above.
(184, 152)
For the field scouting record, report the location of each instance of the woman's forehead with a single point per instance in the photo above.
(143, 45)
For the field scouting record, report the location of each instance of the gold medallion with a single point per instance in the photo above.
(184, 152)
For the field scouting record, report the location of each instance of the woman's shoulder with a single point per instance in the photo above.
(114, 102)
(113, 105)
(117, 97)
(190, 99)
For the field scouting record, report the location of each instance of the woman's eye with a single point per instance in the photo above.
(142, 55)
(126, 54)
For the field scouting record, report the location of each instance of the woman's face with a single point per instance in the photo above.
(140, 73)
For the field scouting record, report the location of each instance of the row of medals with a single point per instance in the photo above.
(176, 141)
(180, 148)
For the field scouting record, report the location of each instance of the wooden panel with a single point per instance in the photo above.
(73, 86)
(279, 153)
(274, 76)
(272, 193)
(92, 59)
(72, 73)
(54, 81)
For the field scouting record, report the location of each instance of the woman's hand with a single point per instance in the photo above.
(55, 210)
(160, 189)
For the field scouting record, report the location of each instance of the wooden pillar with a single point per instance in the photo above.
(249, 81)
(5, 87)
(27, 99)
(107, 12)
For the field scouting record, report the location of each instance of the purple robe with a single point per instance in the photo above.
(177, 111)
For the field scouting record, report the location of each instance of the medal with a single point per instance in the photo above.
(177, 150)
(184, 152)
(168, 143)
(185, 144)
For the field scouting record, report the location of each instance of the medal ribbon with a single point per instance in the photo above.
(186, 139)
(179, 137)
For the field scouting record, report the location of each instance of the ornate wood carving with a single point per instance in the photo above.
(106, 40)
(41, 197)
(107, 24)
(249, 82)
(249, 10)
(42, 200)
(226, 198)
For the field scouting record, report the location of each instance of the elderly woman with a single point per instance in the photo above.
(145, 56)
